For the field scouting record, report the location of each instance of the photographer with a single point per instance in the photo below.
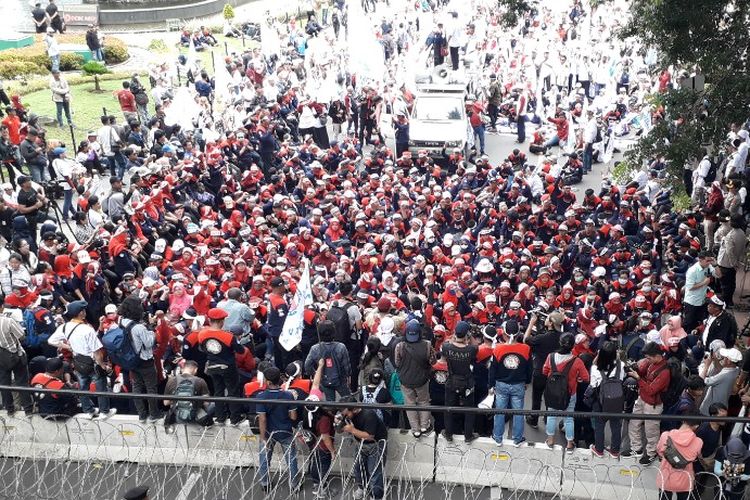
(66, 171)
(652, 375)
(369, 462)
(732, 466)
(32, 151)
(29, 203)
(543, 342)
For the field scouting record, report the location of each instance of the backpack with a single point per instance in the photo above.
(340, 318)
(119, 345)
(556, 394)
(711, 175)
(331, 376)
(673, 456)
(141, 98)
(38, 330)
(611, 394)
(394, 387)
(184, 410)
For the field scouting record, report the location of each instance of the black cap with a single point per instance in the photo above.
(651, 349)
(462, 329)
(276, 282)
(53, 364)
(137, 493)
(23, 179)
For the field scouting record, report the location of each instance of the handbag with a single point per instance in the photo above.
(488, 402)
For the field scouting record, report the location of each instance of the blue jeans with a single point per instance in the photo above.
(504, 393)
(97, 55)
(569, 428)
(368, 468)
(117, 163)
(554, 141)
(286, 440)
(84, 381)
(479, 132)
(67, 203)
(320, 466)
(55, 63)
(39, 171)
(63, 106)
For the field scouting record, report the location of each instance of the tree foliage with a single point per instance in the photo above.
(708, 37)
(512, 11)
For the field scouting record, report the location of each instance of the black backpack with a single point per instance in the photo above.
(711, 175)
(673, 456)
(340, 318)
(556, 394)
(331, 376)
(611, 394)
(184, 410)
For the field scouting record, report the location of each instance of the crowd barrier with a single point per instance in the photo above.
(410, 463)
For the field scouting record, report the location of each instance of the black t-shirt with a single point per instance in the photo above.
(542, 345)
(367, 420)
(711, 439)
(51, 9)
(460, 361)
(39, 14)
(28, 199)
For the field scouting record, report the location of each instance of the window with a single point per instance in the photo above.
(437, 108)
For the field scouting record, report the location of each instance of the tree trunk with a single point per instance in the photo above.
(97, 86)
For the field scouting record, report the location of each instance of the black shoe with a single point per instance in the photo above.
(632, 454)
(534, 424)
(469, 439)
(448, 437)
(647, 459)
(266, 488)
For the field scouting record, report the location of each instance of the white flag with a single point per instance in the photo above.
(291, 334)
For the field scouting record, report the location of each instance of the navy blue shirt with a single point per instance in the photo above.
(277, 416)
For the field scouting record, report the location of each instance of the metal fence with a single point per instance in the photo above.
(80, 458)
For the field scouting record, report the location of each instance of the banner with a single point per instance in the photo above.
(291, 334)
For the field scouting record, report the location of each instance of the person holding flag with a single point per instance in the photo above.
(286, 322)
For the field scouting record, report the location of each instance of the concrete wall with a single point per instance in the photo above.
(426, 460)
(156, 14)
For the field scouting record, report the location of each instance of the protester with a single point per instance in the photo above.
(369, 462)
(679, 449)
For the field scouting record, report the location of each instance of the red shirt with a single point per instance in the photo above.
(14, 129)
(127, 100)
(577, 372)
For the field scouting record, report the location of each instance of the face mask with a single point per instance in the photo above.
(579, 278)
(622, 281)
(646, 289)
(645, 322)
(646, 272)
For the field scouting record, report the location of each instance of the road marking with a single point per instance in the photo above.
(188, 486)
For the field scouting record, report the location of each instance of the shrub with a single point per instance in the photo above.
(69, 62)
(11, 69)
(157, 45)
(115, 51)
(94, 68)
(228, 12)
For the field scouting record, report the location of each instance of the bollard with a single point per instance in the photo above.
(72, 136)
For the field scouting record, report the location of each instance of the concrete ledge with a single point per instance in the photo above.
(418, 461)
(158, 14)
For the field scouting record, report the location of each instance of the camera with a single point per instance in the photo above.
(339, 421)
(53, 190)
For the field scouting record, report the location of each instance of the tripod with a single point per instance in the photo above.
(60, 219)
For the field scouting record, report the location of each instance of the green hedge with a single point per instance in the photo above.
(33, 60)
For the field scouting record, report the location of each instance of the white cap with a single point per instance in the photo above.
(734, 355)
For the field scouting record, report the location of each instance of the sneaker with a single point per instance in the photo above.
(521, 443)
(532, 423)
(613, 454)
(647, 459)
(94, 414)
(448, 437)
(499, 444)
(358, 494)
(471, 438)
(111, 413)
(570, 447)
(596, 452)
(426, 430)
(416, 434)
(632, 454)
(221, 423)
(550, 442)
(153, 420)
(142, 420)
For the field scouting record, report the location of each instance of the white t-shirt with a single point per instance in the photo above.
(81, 337)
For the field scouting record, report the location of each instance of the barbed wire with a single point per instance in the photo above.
(99, 459)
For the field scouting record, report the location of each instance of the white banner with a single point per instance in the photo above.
(291, 334)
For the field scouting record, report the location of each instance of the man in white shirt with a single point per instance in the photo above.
(65, 170)
(109, 141)
(455, 40)
(589, 137)
(53, 50)
(699, 179)
(88, 355)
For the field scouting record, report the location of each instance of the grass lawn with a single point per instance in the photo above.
(85, 106)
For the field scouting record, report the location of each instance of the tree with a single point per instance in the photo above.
(705, 37)
(228, 12)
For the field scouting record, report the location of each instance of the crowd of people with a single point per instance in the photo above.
(453, 281)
